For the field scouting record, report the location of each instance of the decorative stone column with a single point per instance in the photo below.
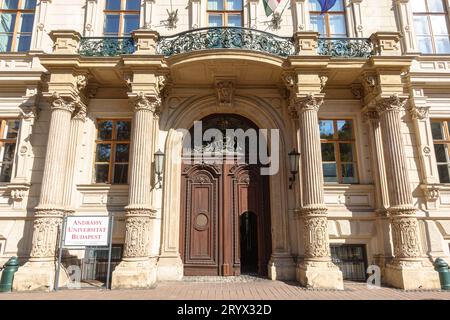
(138, 269)
(408, 270)
(196, 14)
(39, 272)
(317, 269)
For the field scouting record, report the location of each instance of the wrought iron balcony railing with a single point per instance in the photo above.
(225, 38)
(345, 47)
(106, 46)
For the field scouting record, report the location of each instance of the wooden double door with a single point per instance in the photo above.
(225, 220)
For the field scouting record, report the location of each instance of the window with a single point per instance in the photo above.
(112, 151)
(331, 24)
(9, 129)
(351, 260)
(431, 26)
(441, 140)
(16, 26)
(338, 151)
(121, 17)
(225, 13)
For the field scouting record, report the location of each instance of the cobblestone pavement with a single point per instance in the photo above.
(215, 288)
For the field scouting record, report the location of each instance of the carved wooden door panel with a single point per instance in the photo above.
(200, 218)
(250, 196)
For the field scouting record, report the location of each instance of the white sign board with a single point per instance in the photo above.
(86, 231)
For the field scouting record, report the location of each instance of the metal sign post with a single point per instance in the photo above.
(81, 244)
(111, 229)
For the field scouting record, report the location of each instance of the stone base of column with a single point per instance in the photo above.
(170, 268)
(411, 276)
(135, 274)
(320, 275)
(38, 276)
(281, 267)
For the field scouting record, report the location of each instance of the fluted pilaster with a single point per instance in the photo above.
(76, 126)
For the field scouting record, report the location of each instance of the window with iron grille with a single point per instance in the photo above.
(9, 130)
(16, 25)
(225, 13)
(331, 24)
(351, 260)
(112, 151)
(431, 26)
(121, 17)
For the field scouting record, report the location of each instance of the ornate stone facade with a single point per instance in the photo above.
(397, 211)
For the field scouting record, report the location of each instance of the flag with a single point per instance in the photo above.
(326, 5)
(270, 6)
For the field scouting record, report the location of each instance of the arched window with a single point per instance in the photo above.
(228, 13)
(16, 25)
(331, 23)
(431, 26)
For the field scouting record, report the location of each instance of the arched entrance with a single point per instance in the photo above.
(225, 209)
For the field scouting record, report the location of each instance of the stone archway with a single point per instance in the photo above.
(170, 267)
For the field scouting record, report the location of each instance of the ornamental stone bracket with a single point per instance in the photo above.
(19, 194)
(431, 193)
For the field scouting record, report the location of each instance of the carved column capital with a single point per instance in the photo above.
(309, 103)
(393, 103)
(58, 102)
(80, 113)
(29, 113)
(144, 102)
(419, 113)
(371, 115)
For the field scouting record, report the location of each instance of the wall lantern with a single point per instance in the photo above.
(294, 157)
(159, 161)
